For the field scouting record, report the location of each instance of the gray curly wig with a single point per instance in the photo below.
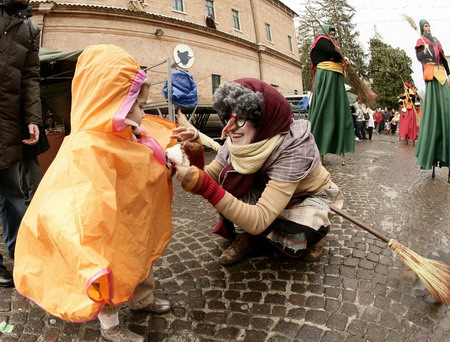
(234, 98)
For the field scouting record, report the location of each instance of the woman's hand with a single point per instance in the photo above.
(183, 134)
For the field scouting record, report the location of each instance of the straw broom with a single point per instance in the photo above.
(351, 76)
(357, 84)
(435, 275)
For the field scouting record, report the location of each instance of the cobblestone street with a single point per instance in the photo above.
(358, 291)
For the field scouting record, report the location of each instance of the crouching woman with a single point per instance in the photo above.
(267, 178)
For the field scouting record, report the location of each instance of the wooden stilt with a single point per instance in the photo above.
(343, 158)
(433, 174)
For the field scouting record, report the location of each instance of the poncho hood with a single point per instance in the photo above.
(106, 83)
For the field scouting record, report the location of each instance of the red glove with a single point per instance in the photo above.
(199, 182)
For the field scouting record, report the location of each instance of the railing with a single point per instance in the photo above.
(171, 112)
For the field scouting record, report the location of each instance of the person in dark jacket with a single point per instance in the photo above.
(20, 108)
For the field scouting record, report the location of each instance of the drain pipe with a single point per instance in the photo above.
(43, 9)
(261, 47)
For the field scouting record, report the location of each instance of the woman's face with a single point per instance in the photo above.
(242, 135)
(137, 111)
(332, 33)
(426, 28)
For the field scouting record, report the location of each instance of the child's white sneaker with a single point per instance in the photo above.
(121, 334)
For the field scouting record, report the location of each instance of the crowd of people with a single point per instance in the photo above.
(368, 121)
(101, 215)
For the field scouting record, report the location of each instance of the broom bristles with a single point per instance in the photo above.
(206, 141)
(411, 22)
(435, 275)
(359, 87)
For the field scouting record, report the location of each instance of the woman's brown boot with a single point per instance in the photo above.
(314, 252)
(239, 248)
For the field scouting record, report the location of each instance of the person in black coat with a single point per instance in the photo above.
(20, 107)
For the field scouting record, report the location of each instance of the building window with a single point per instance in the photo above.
(209, 8)
(236, 23)
(215, 80)
(268, 33)
(291, 48)
(177, 5)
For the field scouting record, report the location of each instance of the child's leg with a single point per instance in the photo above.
(111, 328)
(143, 298)
(109, 317)
(144, 293)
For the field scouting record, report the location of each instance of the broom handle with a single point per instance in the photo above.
(359, 223)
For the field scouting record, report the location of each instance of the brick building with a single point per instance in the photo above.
(228, 38)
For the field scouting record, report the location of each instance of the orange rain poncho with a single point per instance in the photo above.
(102, 213)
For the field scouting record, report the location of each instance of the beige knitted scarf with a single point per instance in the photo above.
(247, 159)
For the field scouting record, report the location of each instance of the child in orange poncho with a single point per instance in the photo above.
(102, 213)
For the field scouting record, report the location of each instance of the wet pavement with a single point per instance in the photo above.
(359, 290)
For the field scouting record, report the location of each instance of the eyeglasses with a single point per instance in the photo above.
(238, 122)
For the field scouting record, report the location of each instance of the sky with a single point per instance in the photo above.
(394, 29)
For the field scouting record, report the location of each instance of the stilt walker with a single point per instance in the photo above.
(409, 129)
(330, 114)
(433, 144)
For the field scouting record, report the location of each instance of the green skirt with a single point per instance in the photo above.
(433, 143)
(330, 114)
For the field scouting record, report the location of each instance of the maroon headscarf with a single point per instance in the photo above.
(276, 119)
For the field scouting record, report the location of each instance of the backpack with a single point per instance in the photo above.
(366, 116)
